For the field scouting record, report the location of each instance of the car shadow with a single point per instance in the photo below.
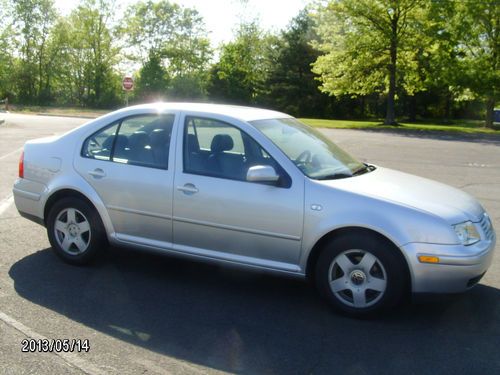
(251, 322)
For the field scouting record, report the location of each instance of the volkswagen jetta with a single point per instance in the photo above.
(257, 189)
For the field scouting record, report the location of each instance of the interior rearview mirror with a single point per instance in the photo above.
(262, 173)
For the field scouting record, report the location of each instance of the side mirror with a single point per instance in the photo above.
(262, 173)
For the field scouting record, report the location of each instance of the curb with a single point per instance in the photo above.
(65, 115)
(436, 134)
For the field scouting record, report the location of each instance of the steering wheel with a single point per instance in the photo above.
(304, 157)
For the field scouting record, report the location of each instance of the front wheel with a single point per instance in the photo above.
(361, 275)
(75, 231)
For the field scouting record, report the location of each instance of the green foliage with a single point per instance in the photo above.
(291, 85)
(436, 58)
(176, 36)
(239, 75)
(371, 46)
(476, 26)
(89, 54)
(33, 20)
(6, 48)
(152, 83)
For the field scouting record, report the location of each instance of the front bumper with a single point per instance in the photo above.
(459, 269)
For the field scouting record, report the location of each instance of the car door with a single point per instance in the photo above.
(129, 163)
(218, 214)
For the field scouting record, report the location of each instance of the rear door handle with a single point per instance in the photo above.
(97, 173)
(188, 189)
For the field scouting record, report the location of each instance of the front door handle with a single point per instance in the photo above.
(97, 173)
(188, 189)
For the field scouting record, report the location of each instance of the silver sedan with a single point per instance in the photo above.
(256, 189)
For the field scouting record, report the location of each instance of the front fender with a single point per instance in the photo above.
(341, 209)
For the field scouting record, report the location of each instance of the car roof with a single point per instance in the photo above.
(235, 111)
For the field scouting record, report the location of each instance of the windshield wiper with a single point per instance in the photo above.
(361, 170)
(365, 168)
(335, 176)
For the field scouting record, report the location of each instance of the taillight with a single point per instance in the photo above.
(21, 165)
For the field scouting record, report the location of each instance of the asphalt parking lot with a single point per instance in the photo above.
(144, 313)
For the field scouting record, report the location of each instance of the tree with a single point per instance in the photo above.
(152, 82)
(368, 47)
(34, 20)
(177, 36)
(291, 84)
(6, 52)
(91, 53)
(476, 26)
(239, 75)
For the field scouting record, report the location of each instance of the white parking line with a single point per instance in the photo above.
(5, 203)
(70, 358)
(10, 153)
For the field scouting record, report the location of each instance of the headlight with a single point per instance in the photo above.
(467, 233)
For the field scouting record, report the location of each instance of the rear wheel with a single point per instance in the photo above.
(75, 231)
(361, 275)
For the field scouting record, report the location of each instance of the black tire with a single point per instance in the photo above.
(94, 239)
(390, 266)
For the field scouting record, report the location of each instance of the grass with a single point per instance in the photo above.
(59, 111)
(459, 126)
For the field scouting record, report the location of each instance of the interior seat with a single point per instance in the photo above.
(120, 146)
(195, 160)
(160, 145)
(140, 148)
(221, 162)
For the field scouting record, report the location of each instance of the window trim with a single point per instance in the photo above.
(119, 123)
(284, 182)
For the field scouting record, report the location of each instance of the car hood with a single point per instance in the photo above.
(451, 204)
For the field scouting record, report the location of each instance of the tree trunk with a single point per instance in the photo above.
(490, 107)
(40, 73)
(412, 108)
(390, 116)
(447, 108)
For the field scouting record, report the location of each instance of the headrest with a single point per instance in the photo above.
(108, 143)
(121, 142)
(221, 142)
(139, 139)
(159, 137)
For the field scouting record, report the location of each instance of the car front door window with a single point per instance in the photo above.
(215, 148)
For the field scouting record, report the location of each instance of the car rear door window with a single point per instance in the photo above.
(138, 140)
(99, 145)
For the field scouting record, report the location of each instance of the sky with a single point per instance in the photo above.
(221, 16)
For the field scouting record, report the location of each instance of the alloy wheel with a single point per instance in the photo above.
(72, 231)
(357, 278)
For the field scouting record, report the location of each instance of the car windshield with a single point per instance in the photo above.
(314, 154)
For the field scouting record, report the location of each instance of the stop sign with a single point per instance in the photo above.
(128, 83)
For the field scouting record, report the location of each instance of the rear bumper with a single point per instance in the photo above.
(33, 218)
(28, 199)
(459, 269)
